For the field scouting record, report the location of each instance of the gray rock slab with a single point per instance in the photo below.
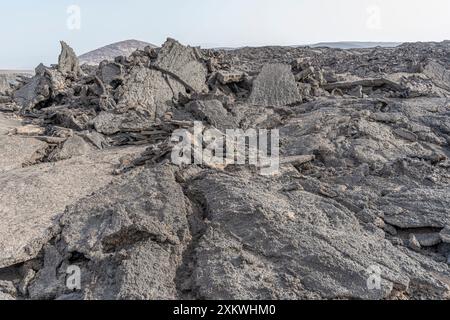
(261, 244)
(149, 91)
(68, 60)
(212, 112)
(133, 232)
(275, 86)
(417, 208)
(32, 198)
(16, 151)
(184, 63)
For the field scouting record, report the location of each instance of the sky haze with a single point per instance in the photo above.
(30, 30)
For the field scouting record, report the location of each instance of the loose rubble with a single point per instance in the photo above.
(86, 176)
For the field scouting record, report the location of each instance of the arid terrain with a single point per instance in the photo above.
(359, 209)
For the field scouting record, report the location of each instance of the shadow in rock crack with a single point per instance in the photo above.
(184, 280)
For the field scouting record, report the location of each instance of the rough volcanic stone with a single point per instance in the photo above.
(183, 62)
(275, 86)
(133, 232)
(110, 123)
(111, 72)
(148, 91)
(32, 198)
(68, 60)
(213, 112)
(417, 208)
(265, 244)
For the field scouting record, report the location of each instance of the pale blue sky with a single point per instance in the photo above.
(30, 29)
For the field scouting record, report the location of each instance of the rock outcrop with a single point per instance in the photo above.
(183, 63)
(68, 61)
(275, 87)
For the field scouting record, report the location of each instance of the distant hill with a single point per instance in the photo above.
(355, 45)
(337, 45)
(109, 52)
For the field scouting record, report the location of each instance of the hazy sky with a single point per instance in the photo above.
(30, 29)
